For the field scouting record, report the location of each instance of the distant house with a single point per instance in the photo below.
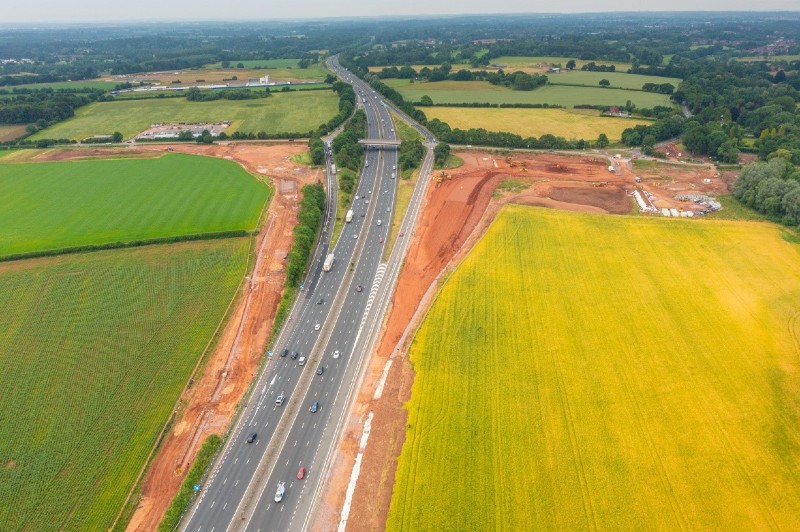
(616, 111)
(555, 69)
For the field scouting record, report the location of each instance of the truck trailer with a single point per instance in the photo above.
(349, 216)
(326, 267)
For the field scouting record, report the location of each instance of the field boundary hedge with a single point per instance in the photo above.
(121, 245)
(181, 501)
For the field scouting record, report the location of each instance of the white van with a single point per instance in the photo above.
(302, 361)
(280, 399)
(379, 222)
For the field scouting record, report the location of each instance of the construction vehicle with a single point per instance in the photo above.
(349, 216)
(328, 264)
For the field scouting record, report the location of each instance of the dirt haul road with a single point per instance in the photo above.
(207, 406)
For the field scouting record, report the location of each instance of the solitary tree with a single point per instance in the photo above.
(117, 136)
(426, 100)
(571, 64)
(604, 83)
(602, 141)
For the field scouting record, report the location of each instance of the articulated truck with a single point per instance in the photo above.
(328, 264)
(349, 216)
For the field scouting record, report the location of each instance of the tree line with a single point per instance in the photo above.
(772, 188)
(310, 214)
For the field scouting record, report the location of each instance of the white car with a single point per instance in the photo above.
(279, 492)
(336, 354)
(316, 327)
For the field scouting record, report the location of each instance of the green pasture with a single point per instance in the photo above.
(55, 85)
(617, 79)
(286, 112)
(68, 204)
(449, 92)
(532, 63)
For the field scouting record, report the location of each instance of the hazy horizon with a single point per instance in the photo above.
(97, 11)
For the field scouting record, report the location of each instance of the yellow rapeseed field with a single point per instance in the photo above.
(583, 124)
(583, 372)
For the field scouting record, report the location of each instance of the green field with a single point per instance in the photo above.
(771, 58)
(584, 372)
(535, 122)
(83, 84)
(444, 92)
(532, 63)
(67, 204)
(95, 350)
(618, 80)
(287, 112)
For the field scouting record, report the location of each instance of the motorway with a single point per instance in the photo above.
(331, 315)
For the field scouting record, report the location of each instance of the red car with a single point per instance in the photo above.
(380, 240)
(360, 288)
(301, 473)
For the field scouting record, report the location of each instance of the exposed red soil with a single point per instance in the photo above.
(208, 405)
(457, 212)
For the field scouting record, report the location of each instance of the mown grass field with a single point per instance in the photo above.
(617, 79)
(82, 84)
(67, 204)
(95, 350)
(600, 372)
(447, 92)
(534, 122)
(531, 64)
(286, 112)
(279, 69)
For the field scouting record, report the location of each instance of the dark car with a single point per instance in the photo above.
(314, 407)
(320, 370)
(295, 355)
(321, 301)
(252, 437)
(284, 352)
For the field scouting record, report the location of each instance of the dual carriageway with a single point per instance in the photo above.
(334, 324)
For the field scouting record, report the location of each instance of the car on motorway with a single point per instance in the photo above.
(336, 354)
(401, 233)
(380, 240)
(320, 370)
(280, 492)
(314, 407)
(279, 401)
(252, 437)
(359, 288)
(317, 326)
(302, 361)
(301, 473)
(285, 351)
(321, 301)
(355, 236)
(379, 222)
(295, 355)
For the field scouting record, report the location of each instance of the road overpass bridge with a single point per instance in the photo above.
(380, 143)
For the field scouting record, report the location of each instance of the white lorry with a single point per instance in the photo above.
(328, 264)
(349, 216)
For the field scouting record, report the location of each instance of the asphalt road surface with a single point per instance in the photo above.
(337, 313)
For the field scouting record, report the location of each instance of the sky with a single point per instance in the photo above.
(70, 11)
